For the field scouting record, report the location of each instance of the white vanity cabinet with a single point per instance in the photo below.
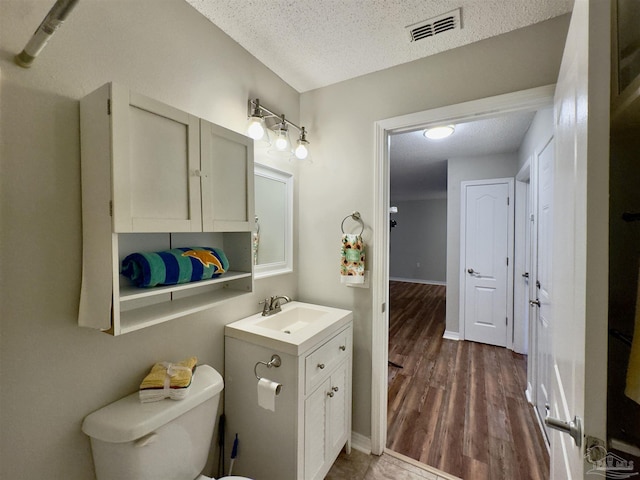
(325, 423)
(311, 423)
(155, 178)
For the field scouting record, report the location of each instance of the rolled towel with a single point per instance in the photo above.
(178, 265)
(168, 380)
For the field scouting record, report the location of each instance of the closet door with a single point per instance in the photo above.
(156, 165)
(227, 179)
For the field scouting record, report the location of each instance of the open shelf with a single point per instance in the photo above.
(131, 292)
(149, 315)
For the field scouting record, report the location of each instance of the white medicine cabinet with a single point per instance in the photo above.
(273, 228)
(156, 178)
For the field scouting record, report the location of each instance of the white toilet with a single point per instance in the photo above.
(157, 441)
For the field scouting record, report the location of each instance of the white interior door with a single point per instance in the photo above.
(541, 288)
(486, 237)
(578, 292)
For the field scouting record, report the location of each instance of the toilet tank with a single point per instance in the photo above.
(169, 439)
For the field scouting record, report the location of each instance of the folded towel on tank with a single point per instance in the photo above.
(178, 265)
(168, 380)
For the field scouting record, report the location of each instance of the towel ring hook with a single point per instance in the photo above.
(356, 217)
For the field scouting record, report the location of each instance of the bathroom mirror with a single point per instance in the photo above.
(273, 231)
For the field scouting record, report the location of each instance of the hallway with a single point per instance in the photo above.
(457, 406)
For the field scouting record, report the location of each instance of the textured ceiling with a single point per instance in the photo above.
(419, 165)
(315, 43)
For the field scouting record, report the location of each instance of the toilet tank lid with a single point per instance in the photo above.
(128, 419)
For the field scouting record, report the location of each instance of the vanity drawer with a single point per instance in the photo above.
(320, 363)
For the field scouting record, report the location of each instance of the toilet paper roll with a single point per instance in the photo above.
(267, 391)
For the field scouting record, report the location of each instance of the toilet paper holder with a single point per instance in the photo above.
(275, 361)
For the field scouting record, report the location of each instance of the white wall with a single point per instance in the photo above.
(340, 180)
(459, 170)
(540, 131)
(54, 372)
(418, 244)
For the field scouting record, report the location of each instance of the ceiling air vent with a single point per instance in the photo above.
(434, 26)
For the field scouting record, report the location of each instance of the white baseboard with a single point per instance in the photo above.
(449, 335)
(361, 443)
(417, 280)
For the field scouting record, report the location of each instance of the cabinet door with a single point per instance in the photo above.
(227, 179)
(338, 412)
(156, 161)
(315, 425)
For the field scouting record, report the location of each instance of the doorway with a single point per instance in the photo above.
(527, 100)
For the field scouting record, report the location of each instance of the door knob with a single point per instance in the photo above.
(535, 302)
(573, 428)
(525, 274)
(471, 271)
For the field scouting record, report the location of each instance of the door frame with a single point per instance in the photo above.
(531, 99)
(522, 262)
(510, 256)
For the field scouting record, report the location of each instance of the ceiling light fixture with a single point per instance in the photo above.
(438, 133)
(262, 120)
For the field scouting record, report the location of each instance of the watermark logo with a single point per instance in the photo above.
(609, 465)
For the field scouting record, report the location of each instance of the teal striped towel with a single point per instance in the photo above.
(178, 265)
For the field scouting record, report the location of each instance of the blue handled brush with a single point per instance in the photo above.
(234, 454)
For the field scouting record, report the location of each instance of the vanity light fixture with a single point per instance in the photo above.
(263, 122)
(282, 142)
(302, 151)
(438, 133)
(257, 129)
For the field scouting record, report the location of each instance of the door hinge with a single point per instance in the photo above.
(507, 261)
(506, 321)
(110, 208)
(507, 200)
(384, 307)
(108, 106)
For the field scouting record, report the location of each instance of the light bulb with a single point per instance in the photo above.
(281, 142)
(301, 151)
(255, 129)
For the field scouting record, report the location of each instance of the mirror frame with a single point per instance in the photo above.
(285, 266)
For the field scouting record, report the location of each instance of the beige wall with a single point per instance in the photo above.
(341, 179)
(460, 170)
(54, 372)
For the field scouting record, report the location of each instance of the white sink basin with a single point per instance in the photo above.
(294, 330)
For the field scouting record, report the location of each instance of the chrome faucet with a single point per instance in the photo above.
(272, 304)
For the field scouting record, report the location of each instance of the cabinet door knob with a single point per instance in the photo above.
(330, 394)
(335, 389)
(343, 347)
(321, 366)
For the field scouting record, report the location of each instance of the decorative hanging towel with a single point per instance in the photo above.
(352, 259)
(633, 370)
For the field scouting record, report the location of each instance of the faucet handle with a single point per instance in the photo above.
(267, 306)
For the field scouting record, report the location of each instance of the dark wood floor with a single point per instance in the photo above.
(457, 406)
